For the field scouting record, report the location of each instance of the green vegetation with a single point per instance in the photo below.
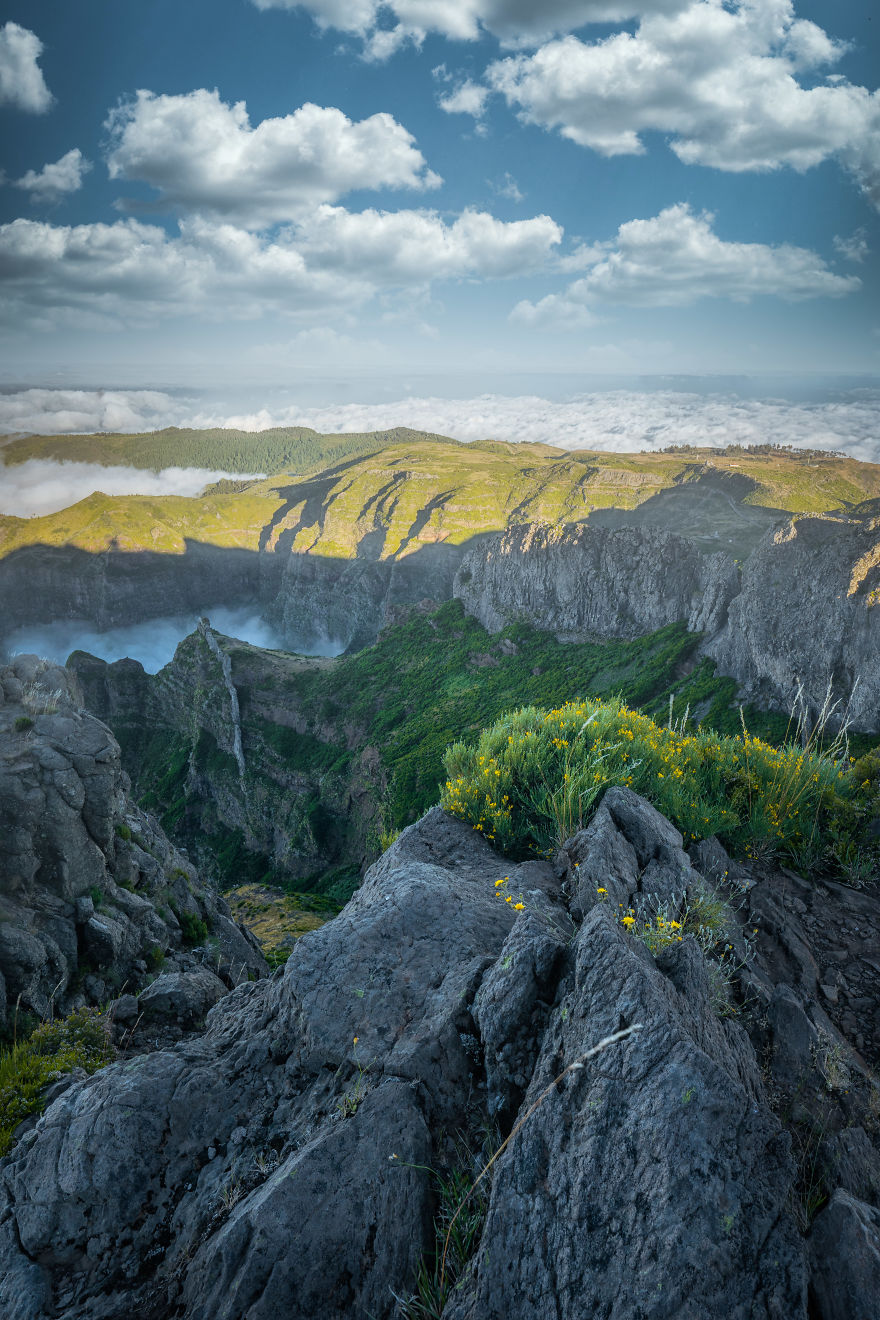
(403, 490)
(280, 449)
(23, 723)
(79, 1041)
(531, 779)
(439, 677)
(194, 929)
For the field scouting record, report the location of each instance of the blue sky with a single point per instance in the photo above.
(443, 196)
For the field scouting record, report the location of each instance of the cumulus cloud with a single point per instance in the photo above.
(469, 98)
(56, 180)
(133, 272)
(203, 155)
(42, 486)
(675, 259)
(514, 22)
(721, 80)
(21, 79)
(410, 247)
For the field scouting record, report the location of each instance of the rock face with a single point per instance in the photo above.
(809, 610)
(340, 603)
(585, 582)
(804, 608)
(279, 1164)
(92, 894)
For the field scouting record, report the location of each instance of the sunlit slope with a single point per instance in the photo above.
(387, 504)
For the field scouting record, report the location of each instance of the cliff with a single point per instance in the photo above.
(802, 610)
(93, 897)
(293, 1159)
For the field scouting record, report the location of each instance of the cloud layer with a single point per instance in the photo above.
(22, 84)
(722, 82)
(204, 156)
(152, 643)
(618, 420)
(42, 486)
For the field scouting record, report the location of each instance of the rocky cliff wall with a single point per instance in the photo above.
(804, 608)
(280, 1165)
(584, 582)
(92, 894)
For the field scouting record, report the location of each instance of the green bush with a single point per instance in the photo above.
(23, 723)
(195, 930)
(532, 779)
(79, 1041)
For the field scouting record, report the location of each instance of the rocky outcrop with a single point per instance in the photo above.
(803, 610)
(93, 897)
(584, 582)
(281, 1163)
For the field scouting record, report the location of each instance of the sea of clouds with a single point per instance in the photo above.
(152, 643)
(610, 419)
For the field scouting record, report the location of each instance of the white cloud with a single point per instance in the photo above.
(21, 79)
(412, 247)
(507, 187)
(469, 98)
(514, 22)
(130, 272)
(675, 259)
(611, 420)
(42, 486)
(203, 155)
(55, 181)
(720, 80)
(854, 248)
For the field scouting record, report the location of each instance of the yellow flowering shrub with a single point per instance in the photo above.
(533, 779)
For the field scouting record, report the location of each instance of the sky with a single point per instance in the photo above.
(281, 210)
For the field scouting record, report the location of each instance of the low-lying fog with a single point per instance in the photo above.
(42, 486)
(152, 643)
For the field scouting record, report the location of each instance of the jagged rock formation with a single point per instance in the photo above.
(276, 1165)
(92, 894)
(804, 607)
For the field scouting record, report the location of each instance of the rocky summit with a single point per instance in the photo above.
(317, 1152)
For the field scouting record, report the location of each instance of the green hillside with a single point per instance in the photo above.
(422, 491)
(283, 448)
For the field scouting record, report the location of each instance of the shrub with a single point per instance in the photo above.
(195, 930)
(122, 831)
(79, 1041)
(23, 723)
(155, 958)
(535, 775)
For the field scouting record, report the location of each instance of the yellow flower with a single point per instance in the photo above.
(519, 906)
(628, 921)
(355, 1040)
(601, 891)
(507, 898)
(501, 882)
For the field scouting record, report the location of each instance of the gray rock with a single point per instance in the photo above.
(185, 997)
(845, 1260)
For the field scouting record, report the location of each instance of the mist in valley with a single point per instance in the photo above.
(152, 643)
